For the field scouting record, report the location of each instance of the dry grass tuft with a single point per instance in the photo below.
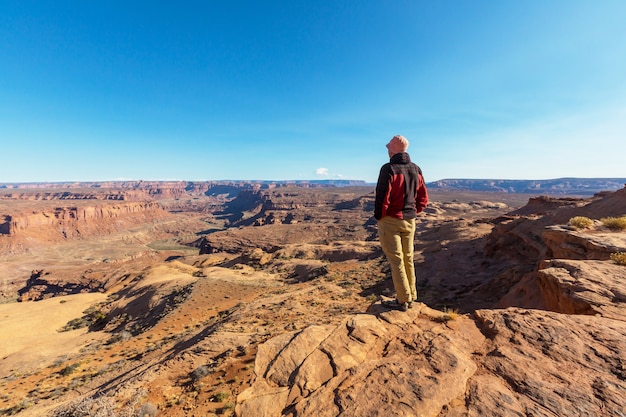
(619, 258)
(615, 223)
(448, 315)
(581, 222)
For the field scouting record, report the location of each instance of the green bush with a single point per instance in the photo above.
(75, 324)
(619, 258)
(220, 397)
(581, 222)
(614, 223)
(92, 317)
(69, 369)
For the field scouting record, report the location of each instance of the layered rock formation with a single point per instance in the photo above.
(60, 237)
(76, 221)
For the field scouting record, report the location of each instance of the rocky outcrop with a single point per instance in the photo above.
(543, 205)
(81, 220)
(547, 364)
(390, 364)
(5, 225)
(579, 287)
(279, 236)
(539, 231)
(510, 362)
(536, 241)
(564, 243)
(573, 287)
(41, 285)
(283, 217)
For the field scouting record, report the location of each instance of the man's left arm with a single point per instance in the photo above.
(421, 196)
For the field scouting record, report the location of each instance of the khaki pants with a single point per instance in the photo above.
(396, 239)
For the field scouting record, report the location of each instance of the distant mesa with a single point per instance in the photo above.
(185, 185)
(140, 190)
(568, 186)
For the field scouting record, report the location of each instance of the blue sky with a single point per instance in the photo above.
(276, 90)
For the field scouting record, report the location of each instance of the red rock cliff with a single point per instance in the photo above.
(53, 223)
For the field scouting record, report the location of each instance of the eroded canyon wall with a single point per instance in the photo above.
(72, 221)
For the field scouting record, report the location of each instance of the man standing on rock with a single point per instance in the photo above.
(400, 195)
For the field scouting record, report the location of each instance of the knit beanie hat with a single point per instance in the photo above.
(398, 144)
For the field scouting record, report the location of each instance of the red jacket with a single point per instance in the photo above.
(400, 191)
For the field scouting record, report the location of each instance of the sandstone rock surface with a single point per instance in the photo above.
(502, 362)
(390, 363)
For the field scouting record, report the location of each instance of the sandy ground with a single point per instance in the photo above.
(35, 352)
(30, 331)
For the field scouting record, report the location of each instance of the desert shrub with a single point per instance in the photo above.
(112, 297)
(229, 406)
(619, 258)
(75, 324)
(91, 317)
(220, 397)
(614, 223)
(200, 372)
(97, 317)
(69, 369)
(581, 222)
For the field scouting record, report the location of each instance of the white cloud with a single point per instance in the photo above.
(326, 174)
(322, 171)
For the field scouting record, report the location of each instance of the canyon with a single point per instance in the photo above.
(255, 299)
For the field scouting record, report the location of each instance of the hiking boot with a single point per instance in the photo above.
(396, 305)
